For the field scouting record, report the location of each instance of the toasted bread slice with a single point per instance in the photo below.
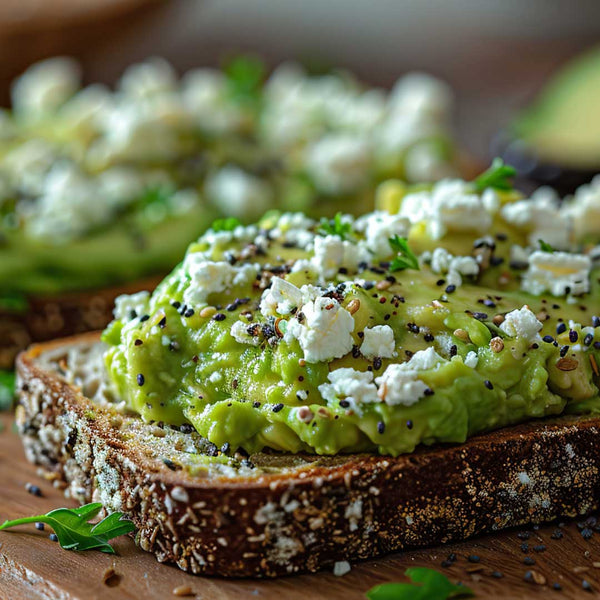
(55, 316)
(279, 514)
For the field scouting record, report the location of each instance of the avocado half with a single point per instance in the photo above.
(556, 140)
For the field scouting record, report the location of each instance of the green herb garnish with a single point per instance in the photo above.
(546, 247)
(405, 257)
(73, 530)
(14, 302)
(245, 76)
(427, 584)
(497, 177)
(335, 226)
(228, 224)
(7, 389)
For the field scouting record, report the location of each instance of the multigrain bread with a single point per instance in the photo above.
(55, 316)
(279, 514)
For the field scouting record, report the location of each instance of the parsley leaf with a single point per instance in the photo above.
(496, 177)
(335, 226)
(7, 389)
(73, 530)
(427, 584)
(228, 224)
(546, 247)
(405, 257)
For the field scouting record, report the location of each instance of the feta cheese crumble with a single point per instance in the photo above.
(325, 332)
(239, 332)
(355, 387)
(443, 262)
(378, 341)
(399, 383)
(126, 305)
(559, 273)
(522, 323)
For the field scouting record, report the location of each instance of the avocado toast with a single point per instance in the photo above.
(100, 188)
(297, 393)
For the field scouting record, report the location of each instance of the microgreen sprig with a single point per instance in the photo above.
(497, 177)
(228, 224)
(546, 247)
(405, 257)
(335, 226)
(73, 530)
(427, 584)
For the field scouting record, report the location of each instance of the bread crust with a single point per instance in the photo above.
(306, 518)
(57, 316)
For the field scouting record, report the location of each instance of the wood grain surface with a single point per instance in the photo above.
(33, 567)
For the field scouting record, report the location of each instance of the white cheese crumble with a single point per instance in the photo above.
(127, 304)
(208, 277)
(378, 341)
(450, 206)
(325, 332)
(332, 253)
(339, 163)
(341, 568)
(378, 227)
(399, 383)
(443, 262)
(355, 387)
(239, 332)
(584, 209)
(559, 273)
(522, 323)
(237, 193)
(471, 359)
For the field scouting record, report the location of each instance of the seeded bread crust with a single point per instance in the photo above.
(314, 510)
(57, 316)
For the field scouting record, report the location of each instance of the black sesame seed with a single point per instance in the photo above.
(186, 428)
(556, 586)
(497, 574)
(140, 379)
(170, 464)
(138, 342)
(450, 288)
(225, 448)
(189, 313)
(380, 427)
(413, 327)
(587, 533)
(219, 317)
(377, 362)
(539, 548)
(573, 337)
(586, 585)
(480, 316)
(488, 384)
(563, 351)
(440, 282)
(489, 303)
(453, 350)
(428, 337)
(34, 490)
(53, 537)
(529, 561)
(277, 407)
(409, 424)
(473, 558)
(231, 307)
(597, 345)
(40, 526)
(557, 534)
(445, 564)
(344, 403)
(524, 547)
(452, 557)
(588, 339)
(175, 304)
(528, 576)
(561, 328)
(162, 323)
(428, 392)
(595, 321)
(144, 318)
(256, 404)
(523, 535)
(548, 339)
(496, 260)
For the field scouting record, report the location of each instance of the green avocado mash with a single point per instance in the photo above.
(99, 187)
(379, 333)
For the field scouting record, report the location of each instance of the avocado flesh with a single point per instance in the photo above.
(195, 372)
(563, 124)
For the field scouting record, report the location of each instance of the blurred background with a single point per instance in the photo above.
(494, 53)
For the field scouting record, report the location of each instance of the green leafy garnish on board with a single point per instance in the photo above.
(546, 247)
(7, 389)
(427, 584)
(228, 224)
(335, 226)
(405, 257)
(73, 530)
(245, 76)
(13, 302)
(497, 177)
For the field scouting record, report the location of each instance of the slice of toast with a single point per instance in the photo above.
(278, 514)
(60, 315)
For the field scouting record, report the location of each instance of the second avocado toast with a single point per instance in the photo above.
(269, 408)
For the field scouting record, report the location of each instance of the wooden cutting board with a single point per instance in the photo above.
(32, 567)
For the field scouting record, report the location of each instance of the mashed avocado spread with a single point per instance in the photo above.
(461, 308)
